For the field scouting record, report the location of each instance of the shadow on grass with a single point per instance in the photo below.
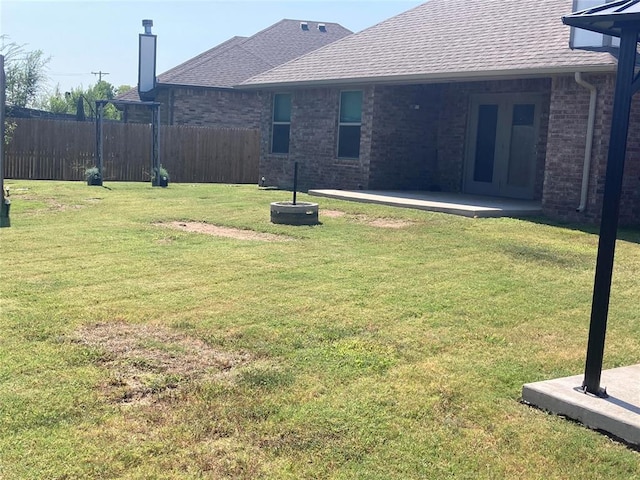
(628, 234)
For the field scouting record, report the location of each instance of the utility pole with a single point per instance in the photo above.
(100, 73)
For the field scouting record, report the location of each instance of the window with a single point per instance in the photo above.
(349, 124)
(281, 123)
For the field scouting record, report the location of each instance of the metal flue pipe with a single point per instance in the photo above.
(295, 181)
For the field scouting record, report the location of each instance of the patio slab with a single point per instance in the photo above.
(457, 204)
(618, 414)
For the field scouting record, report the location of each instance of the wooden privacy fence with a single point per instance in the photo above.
(62, 150)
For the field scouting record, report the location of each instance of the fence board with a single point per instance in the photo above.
(44, 149)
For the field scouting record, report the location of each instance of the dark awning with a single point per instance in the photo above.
(608, 19)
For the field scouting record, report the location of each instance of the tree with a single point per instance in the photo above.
(57, 103)
(123, 89)
(83, 102)
(25, 73)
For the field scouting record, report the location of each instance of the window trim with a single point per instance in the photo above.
(348, 124)
(274, 123)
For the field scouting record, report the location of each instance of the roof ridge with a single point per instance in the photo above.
(287, 20)
(297, 58)
(273, 26)
(313, 21)
(270, 27)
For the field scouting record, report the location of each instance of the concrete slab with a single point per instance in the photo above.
(618, 415)
(457, 204)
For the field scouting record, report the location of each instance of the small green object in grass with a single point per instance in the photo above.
(161, 180)
(93, 176)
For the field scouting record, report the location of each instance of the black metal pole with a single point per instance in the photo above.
(155, 144)
(295, 181)
(610, 211)
(99, 141)
(2, 108)
(154, 168)
(4, 200)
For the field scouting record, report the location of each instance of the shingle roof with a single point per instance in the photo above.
(190, 71)
(240, 58)
(446, 40)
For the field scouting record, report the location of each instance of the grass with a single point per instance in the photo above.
(352, 352)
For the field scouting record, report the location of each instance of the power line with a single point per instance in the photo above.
(100, 73)
(66, 74)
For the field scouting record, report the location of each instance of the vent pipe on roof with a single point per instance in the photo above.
(147, 24)
(322, 27)
(304, 26)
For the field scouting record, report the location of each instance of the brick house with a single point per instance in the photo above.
(473, 96)
(200, 91)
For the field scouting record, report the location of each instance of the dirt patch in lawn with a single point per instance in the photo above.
(332, 213)
(371, 221)
(215, 230)
(389, 223)
(51, 203)
(145, 361)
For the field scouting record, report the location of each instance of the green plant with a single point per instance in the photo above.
(93, 176)
(164, 174)
(9, 129)
(162, 179)
(91, 173)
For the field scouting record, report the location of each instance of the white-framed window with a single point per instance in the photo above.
(281, 125)
(349, 124)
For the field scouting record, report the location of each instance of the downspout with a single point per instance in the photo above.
(589, 144)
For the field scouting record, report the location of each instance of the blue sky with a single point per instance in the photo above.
(98, 35)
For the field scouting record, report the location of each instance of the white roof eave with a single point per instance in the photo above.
(439, 77)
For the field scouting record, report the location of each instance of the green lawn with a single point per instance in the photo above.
(382, 344)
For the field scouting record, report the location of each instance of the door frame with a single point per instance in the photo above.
(505, 102)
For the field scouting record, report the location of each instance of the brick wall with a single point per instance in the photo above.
(413, 137)
(397, 142)
(566, 149)
(203, 107)
(313, 143)
(404, 140)
(139, 114)
(630, 199)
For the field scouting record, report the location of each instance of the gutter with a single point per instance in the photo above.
(589, 142)
(425, 78)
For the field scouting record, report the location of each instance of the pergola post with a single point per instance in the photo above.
(155, 145)
(5, 203)
(99, 139)
(155, 133)
(2, 109)
(610, 210)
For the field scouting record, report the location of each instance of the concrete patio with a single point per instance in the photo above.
(453, 203)
(618, 414)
